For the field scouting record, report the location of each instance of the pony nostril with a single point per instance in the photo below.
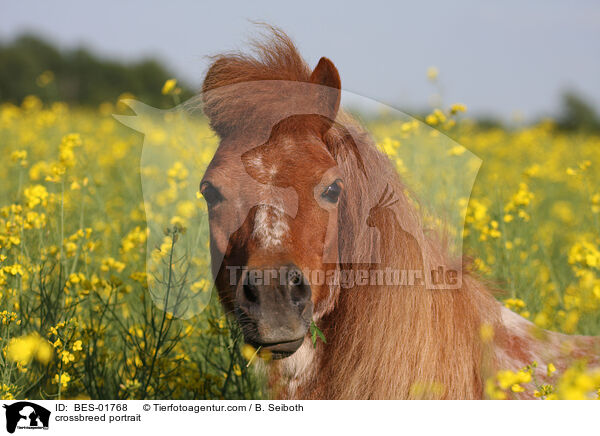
(294, 278)
(299, 290)
(250, 293)
(300, 293)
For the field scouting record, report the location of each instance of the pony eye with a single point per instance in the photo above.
(332, 192)
(210, 194)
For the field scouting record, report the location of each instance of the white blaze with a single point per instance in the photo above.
(270, 226)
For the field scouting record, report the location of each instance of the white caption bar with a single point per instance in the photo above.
(299, 417)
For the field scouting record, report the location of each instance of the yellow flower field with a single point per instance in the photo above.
(78, 319)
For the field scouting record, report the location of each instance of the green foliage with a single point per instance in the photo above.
(578, 114)
(31, 66)
(315, 332)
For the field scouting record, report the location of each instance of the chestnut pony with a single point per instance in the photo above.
(296, 186)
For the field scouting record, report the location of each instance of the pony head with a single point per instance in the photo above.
(273, 190)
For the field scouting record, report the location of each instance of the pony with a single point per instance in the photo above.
(321, 190)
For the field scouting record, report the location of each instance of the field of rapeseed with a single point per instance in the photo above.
(80, 320)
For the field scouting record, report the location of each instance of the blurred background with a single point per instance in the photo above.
(508, 62)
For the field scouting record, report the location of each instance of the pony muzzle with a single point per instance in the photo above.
(274, 308)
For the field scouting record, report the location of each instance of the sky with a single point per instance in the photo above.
(499, 58)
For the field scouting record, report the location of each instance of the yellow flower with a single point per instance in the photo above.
(36, 195)
(26, 348)
(178, 172)
(584, 254)
(432, 73)
(595, 203)
(20, 157)
(109, 264)
(14, 270)
(457, 107)
(77, 346)
(517, 388)
(507, 379)
(237, 370)
(67, 357)
(62, 379)
(66, 153)
(249, 353)
(169, 86)
(431, 119)
(514, 303)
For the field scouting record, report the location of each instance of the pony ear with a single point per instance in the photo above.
(326, 75)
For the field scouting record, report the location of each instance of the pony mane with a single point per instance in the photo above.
(275, 69)
(275, 58)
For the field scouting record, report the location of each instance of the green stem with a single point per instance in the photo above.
(159, 338)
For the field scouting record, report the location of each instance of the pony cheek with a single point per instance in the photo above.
(330, 239)
(218, 242)
(223, 226)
